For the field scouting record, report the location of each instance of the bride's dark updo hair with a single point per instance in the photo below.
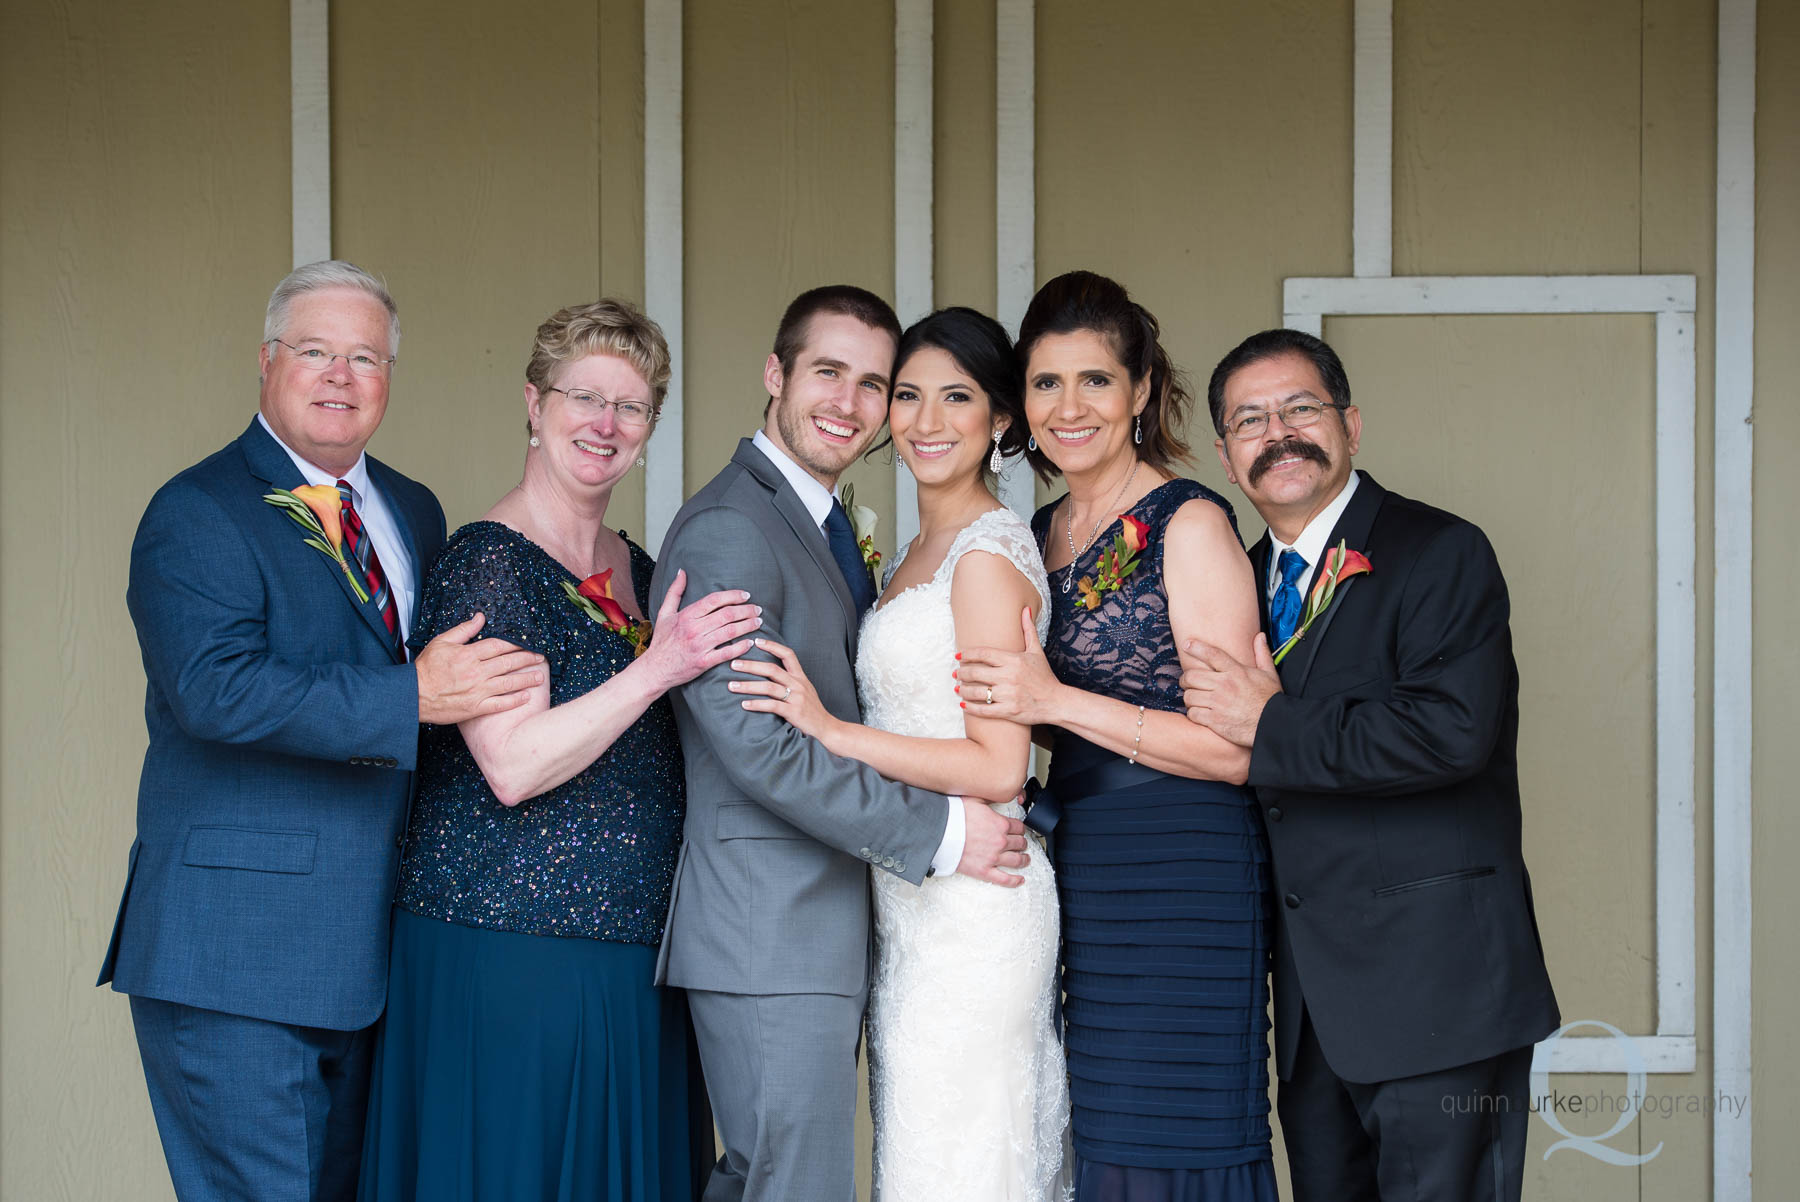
(1086, 300)
(981, 348)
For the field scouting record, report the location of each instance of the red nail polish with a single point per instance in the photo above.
(959, 655)
(963, 704)
(959, 688)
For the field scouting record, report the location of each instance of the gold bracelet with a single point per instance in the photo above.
(1132, 758)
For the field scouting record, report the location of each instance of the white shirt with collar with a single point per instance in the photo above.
(1311, 543)
(377, 519)
(818, 501)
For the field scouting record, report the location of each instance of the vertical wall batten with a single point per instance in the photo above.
(914, 290)
(1015, 191)
(309, 74)
(1734, 374)
(663, 283)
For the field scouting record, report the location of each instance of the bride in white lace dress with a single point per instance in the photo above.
(967, 1081)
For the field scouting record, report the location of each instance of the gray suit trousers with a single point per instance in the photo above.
(781, 1072)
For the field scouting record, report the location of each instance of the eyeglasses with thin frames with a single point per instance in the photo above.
(1295, 415)
(317, 358)
(626, 413)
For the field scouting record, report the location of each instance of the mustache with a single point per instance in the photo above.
(1297, 448)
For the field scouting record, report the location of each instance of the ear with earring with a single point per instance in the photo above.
(995, 460)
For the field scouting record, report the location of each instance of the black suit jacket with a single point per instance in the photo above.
(1387, 774)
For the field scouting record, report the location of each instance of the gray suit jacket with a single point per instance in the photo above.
(772, 890)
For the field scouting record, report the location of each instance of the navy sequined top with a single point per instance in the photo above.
(1125, 647)
(593, 857)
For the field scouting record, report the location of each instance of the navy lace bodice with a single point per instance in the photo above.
(1125, 647)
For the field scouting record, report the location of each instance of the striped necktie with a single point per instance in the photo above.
(362, 549)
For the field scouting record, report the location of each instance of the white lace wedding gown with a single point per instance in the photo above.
(967, 1085)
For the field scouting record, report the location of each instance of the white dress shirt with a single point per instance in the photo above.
(377, 519)
(1311, 543)
(818, 500)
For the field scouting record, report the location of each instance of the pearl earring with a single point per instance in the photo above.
(995, 462)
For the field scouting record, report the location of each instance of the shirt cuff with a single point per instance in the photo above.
(949, 852)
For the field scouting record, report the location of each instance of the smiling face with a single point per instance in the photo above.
(830, 407)
(327, 416)
(943, 424)
(1080, 401)
(1288, 474)
(584, 446)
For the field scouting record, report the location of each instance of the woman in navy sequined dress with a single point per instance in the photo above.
(1160, 859)
(526, 1053)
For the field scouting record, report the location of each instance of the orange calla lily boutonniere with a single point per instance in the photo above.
(316, 508)
(1116, 563)
(594, 597)
(1340, 564)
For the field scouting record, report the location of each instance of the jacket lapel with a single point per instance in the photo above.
(1353, 528)
(270, 463)
(1259, 570)
(787, 503)
(384, 478)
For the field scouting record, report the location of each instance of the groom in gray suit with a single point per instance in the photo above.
(769, 925)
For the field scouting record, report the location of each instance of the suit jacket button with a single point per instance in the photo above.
(900, 866)
(392, 762)
(1274, 813)
(356, 761)
(1293, 901)
(864, 853)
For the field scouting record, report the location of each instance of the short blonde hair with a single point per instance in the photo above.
(608, 326)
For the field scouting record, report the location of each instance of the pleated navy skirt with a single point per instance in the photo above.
(517, 1068)
(1164, 885)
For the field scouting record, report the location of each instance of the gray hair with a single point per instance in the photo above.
(327, 273)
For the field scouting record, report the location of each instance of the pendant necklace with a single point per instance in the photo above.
(1069, 526)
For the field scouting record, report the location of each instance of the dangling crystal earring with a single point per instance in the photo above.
(1137, 429)
(995, 462)
(1031, 443)
(535, 442)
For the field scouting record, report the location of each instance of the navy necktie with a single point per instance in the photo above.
(1284, 606)
(842, 538)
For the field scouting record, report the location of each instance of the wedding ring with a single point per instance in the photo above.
(789, 693)
(990, 696)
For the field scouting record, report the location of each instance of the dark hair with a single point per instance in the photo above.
(981, 348)
(1271, 344)
(1085, 300)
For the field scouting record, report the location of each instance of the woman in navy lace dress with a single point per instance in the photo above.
(1160, 858)
(526, 1053)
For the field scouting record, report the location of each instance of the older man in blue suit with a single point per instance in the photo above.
(283, 711)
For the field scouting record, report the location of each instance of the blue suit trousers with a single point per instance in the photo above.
(251, 1110)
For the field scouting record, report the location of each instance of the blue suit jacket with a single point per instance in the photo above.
(283, 737)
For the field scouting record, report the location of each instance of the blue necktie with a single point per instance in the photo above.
(849, 557)
(1284, 606)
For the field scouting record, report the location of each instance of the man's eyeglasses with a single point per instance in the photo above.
(317, 358)
(1295, 415)
(626, 413)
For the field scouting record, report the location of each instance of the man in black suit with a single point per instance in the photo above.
(1409, 977)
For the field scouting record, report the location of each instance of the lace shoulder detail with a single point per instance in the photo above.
(1004, 533)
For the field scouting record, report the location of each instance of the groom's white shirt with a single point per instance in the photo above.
(1311, 543)
(818, 499)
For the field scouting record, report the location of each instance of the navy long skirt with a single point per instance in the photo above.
(518, 1068)
(1164, 886)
